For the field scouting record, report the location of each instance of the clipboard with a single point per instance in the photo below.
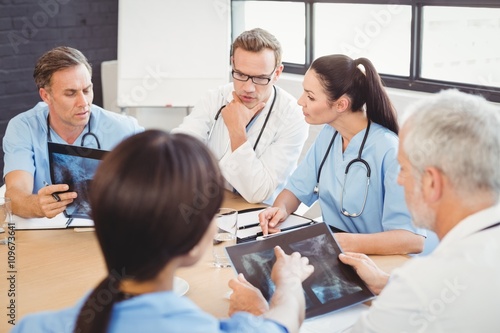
(75, 166)
(58, 222)
(249, 228)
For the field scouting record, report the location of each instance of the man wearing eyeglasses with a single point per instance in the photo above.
(255, 129)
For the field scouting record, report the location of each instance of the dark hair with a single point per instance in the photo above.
(256, 40)
(153, 198)
(341, 75)
(61, 57)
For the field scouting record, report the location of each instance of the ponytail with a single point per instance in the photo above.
(340, 75)
(96, 312)
(379, 108)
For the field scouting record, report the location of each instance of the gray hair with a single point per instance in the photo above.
(459, 134)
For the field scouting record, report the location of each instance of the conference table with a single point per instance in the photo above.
(55, 268)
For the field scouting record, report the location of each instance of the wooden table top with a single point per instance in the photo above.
(55, 268)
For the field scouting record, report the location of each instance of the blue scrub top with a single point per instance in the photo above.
(153, 312)
(385, 205)
(25, 140)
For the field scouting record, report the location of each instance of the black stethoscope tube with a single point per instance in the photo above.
(263, 125)
(358, 159)
(89, 133)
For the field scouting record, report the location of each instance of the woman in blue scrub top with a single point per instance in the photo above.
(153, 200)
(352, 167)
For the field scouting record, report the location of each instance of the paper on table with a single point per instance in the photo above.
(57, 222)
(335, 322)
(252, 217)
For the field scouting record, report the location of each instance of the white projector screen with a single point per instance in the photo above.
(171, 52)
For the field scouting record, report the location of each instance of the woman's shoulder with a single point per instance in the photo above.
(324, 136)
(384, 143)
(47, 321)
(383, 135)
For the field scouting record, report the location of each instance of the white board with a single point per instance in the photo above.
(171, 52)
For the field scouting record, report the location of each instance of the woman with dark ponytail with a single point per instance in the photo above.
(352, 166)
(153, 200)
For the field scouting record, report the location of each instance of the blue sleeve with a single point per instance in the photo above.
(243, 322)
(18, 150)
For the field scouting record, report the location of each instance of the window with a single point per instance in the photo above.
(419, 45)
(285, 20)
(360, 30)
(461, 45)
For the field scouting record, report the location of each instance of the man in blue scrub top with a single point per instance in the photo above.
(66, 115)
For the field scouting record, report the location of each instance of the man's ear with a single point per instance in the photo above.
(432, 184)
(278, 72)
(44, 95)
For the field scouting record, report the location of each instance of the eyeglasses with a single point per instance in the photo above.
(259, 80)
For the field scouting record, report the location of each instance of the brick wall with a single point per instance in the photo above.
(28, 28)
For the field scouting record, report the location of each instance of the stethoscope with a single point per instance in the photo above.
(217, 115)
(356, 160)
(82, 143)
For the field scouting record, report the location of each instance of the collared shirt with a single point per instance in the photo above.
(454, 289)
(261, 174)
(385, 207)
(153, 312)
(25, 140)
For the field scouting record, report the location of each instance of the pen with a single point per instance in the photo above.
(261, 235)
(249, 226)
(54, 195)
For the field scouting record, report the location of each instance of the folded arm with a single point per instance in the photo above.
(386, 242)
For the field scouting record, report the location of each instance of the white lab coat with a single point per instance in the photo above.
(257, 175)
